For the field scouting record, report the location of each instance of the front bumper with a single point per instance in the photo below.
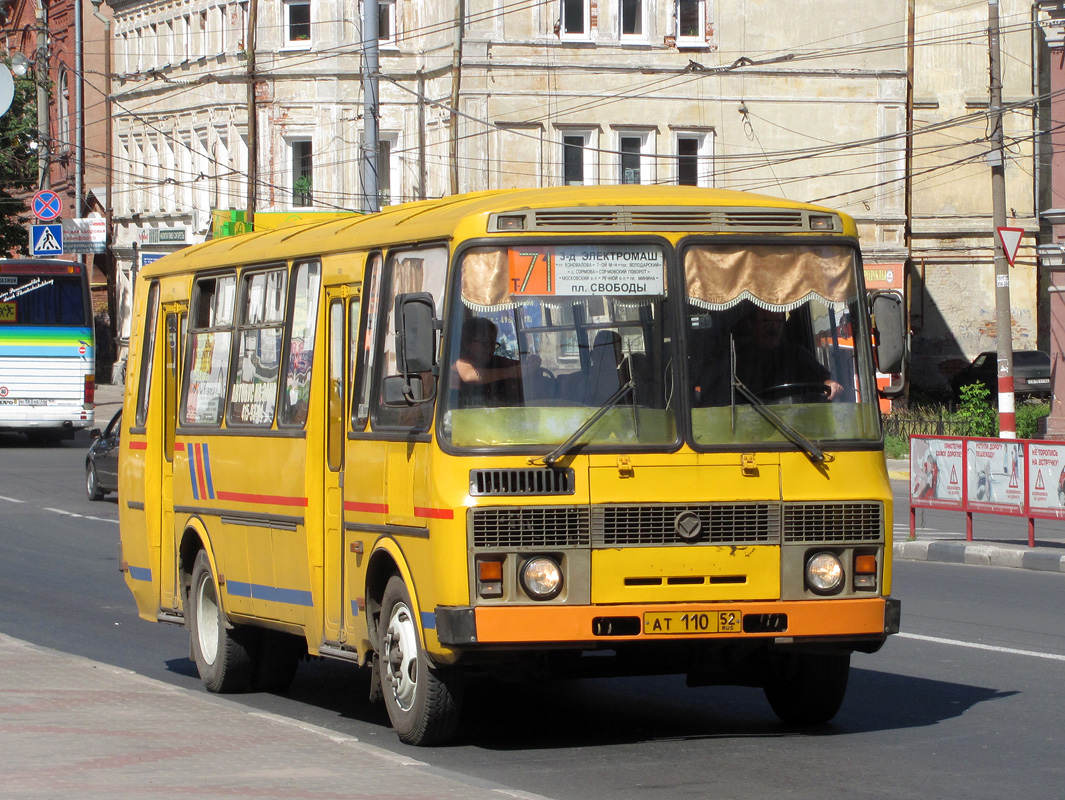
(865, 619)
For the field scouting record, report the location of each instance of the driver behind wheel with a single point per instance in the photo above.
(766, 362)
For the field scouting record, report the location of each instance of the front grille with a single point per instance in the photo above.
(648, 525)
(721, 523)
(833, 522)
(525, 526)
(511, 482)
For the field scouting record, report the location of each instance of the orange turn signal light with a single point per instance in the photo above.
(864, 565)
(490, 570)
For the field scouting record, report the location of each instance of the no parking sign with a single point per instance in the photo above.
(47, 205)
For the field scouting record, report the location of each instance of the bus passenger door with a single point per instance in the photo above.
(339, 315)
(169, 599)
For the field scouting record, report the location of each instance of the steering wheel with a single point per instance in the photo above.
(804, 391)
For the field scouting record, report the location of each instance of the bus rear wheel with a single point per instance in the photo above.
(807, 688)
(221, 654)
(423, 701)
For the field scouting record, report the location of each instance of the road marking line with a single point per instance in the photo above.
(80, 516)
(991, 647)
(11, 499)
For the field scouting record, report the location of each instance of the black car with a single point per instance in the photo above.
(1031, 374)
(101, 463)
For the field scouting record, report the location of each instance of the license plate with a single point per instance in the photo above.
(1039, 380)
(692, 622)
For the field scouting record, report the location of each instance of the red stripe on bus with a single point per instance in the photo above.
(179, 447)
(198, 450)
(434, 513)
(138, 445)
(263, 499)
(373, 508)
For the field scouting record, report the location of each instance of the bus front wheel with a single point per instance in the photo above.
(423, 701)
(221, 654)
(807, 688)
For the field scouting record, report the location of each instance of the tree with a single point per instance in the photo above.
(18, 166)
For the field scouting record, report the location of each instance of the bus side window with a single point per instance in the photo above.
(210, 337)
(303, 311)
(360, 409)
(147, 354)
(257, 366)
(415, 270)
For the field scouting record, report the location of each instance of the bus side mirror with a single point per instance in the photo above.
(416, 328)
(889, 329)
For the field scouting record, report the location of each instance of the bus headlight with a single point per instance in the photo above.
(541, 578)
(824, 573)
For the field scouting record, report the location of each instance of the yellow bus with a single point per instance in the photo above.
(510, 433)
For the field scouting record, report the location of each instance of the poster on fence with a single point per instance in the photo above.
(936, 472)
(995, 472)
(1046, 480)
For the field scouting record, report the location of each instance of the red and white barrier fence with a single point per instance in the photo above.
(1016, 477)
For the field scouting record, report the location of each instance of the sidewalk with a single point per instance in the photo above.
(70, 727)
(951, 547)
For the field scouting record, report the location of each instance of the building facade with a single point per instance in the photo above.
(236, 109)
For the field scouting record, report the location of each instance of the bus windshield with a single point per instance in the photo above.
(546, 335)
(42, 300)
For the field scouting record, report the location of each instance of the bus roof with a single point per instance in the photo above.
(466, 215)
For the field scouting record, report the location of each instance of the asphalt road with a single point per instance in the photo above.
(966, 702)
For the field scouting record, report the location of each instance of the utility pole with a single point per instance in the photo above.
(1007, 417)
(40, 66)
(456, 86)
(253, 116)
(370, 136)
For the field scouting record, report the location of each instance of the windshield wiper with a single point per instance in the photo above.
(559, 452)
(812, 451)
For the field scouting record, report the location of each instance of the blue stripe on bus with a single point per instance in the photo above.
(140, 574)
(354, 609)
(271, 594)
(207, 472)
(191, 453)
(429, 620)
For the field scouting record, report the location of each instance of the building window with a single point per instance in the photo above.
(632, 23)
(694, 160)
(387, 169)
(297, 20)
(631, 158)
(578, 158)
(691, 23)
(302, 172)
(63, 110)
(574, 20)
(386, 22)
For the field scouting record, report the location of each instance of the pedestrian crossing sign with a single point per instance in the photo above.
(46, 240)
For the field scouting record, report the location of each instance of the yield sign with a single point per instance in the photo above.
(46, 205)
(1011, 240)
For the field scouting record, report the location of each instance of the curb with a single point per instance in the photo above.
(979, 555)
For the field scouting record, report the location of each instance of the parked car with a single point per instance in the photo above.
(101, 463)
(1031, 374)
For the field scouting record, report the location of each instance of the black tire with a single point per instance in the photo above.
(423, 702)
(276, 659)
(807, 688)
(222, 655)
(92, 484)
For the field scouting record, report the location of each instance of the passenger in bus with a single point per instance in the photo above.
(481, 377)
(768, 364)
(603, 362)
